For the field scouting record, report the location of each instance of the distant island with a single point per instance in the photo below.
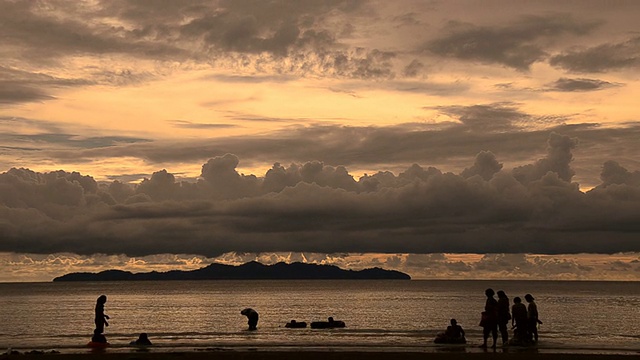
(250, 271)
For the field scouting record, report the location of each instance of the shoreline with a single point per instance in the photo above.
(314, 354)
(280, 352)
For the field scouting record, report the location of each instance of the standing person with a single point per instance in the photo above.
(532, 317)
(503, 316)
(101, 317)
(489, 321)
(519, 320)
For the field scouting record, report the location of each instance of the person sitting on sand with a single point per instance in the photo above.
(252, 315)
(453, 335)
(454, 330)
(143, 340)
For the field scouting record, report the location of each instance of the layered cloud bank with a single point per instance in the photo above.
(312, 207)
(36, 267)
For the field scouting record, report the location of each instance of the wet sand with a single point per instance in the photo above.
(314, 355)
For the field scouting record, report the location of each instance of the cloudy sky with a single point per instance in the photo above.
(447, 139)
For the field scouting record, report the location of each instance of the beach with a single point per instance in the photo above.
(221, 354)
(382, 318)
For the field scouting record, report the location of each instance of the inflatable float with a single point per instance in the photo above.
(296, 325)
(331, 324)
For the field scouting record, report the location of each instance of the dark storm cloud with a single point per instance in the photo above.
(284, 37)
(601, 58)
(581, 84)
(512, 135)
(517, 45)
(314, 207)
(41, 36)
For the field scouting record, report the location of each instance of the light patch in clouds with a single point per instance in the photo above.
(624, 266)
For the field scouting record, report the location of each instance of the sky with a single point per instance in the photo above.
(446, 139)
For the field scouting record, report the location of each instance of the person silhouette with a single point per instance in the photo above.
(503, 316)
(454, 331)
(252, 316)
(143, 340)
(489, 321)
(100, 318)
(519, 320)
(532, 317)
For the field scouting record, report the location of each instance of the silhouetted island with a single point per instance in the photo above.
(250, 271)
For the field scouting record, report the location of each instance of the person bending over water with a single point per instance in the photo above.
(252, 315)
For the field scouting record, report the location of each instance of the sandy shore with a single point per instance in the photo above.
(314, 355)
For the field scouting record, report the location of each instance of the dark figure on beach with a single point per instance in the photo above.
(296, 325)
(532, 317)
(519, 321)
(252, 315)
(453, 335)
(503, 316)
(489, 320)
(101, 317)
(98, 337)
(143, 340)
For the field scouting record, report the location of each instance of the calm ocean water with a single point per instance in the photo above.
(404, 315)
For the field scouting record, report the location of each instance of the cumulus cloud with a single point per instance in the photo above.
(313, 207)
(485, 166)
(558, 161)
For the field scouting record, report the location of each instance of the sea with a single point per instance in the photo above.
(380, 315)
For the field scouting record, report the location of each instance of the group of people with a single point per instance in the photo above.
(495, 317)
(101, 322)
(498, 313)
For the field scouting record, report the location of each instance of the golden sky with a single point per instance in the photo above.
(469, 122)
